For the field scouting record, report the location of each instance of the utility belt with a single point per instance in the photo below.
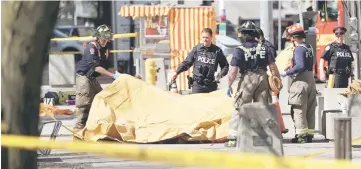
(202, 81)
(252, 70)
(88, 74)
(342, 72)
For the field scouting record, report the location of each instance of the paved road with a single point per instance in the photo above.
(66, 159)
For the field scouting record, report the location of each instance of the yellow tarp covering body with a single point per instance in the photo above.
(130, 110)
(185, 26)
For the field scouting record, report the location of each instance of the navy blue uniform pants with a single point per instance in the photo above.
(198, 88)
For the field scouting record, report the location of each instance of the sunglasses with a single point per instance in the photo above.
(339, 33)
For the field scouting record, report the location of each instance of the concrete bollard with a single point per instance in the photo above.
(259, 129)
(354, 103)
(343, 140)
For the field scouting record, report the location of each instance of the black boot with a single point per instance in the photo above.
(299, 139)
(309, 138)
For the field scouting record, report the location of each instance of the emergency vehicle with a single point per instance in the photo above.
(319, 25)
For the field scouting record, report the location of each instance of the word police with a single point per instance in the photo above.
(206, 60)
(343, 54)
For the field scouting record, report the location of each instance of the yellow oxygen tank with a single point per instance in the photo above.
(150, 71)
(331, 81)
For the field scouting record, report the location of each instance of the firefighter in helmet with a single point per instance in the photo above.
(95, 62)
(339, 58)
(302, 91)
(250, 60)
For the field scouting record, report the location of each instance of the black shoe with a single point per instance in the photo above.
(298, 139)
(309, 138)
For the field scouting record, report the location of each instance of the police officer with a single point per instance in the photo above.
(95, 62)
(251, 61)
(266, 42)
(205, 58)
(339, 59)
(302, 91)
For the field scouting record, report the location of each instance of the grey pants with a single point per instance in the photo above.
(253, 86)
(86, 89)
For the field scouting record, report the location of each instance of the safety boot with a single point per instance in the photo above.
(309, 138)
(230, 143)
(299, 139)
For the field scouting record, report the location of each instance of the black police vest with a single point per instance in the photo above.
(205, 63)
(255, 58)
(341, 57)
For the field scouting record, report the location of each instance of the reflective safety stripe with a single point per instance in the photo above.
(302, 131)
(245, 50)
(258, 49)
(106, 53)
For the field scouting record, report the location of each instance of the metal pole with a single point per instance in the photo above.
(358, 68)
(343, 139)
(279, 25)
(300, 13)
(266, 20)
(114, 26)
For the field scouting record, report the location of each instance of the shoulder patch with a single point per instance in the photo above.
(91, 51)
(327, 47)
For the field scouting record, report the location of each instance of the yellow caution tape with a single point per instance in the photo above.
(212, 159)
(70, 130)
(72, 53)
(88, 38)
(355, 141)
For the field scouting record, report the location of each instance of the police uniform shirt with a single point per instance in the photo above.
(205, 60)
(302, 60)
(242, 60)
(335, 50)
(91, 58)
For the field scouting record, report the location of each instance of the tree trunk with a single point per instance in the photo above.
(26, 29)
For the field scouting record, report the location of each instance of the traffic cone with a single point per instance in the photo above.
(280, 118)
(173, 87)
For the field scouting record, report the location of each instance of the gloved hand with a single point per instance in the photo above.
(116, 75)
(229, 92)
(283, 74)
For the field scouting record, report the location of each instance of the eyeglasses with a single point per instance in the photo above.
(339, 33)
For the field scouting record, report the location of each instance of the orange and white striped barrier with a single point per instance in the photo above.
(280, 118)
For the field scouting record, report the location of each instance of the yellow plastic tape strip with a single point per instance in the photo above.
(87, 38)
(355, 141)
(72, 53)
(70, 130)
(213, 159)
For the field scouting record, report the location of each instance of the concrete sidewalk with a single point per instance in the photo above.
(68, 159)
